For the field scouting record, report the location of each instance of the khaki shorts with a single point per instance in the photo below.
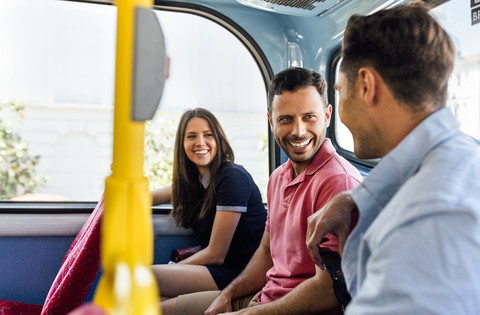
(197, 303)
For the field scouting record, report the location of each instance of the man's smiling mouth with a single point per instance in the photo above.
(300, 144)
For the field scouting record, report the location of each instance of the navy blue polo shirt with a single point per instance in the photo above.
(235, 191)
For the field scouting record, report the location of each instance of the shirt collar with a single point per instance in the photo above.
(205, 180)
(406, 158)
(323, 154)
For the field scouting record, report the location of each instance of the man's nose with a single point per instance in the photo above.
(298, 128)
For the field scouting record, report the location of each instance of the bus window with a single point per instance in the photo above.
(60, 69)
(463, 91)
(342, 135)
(464, 83)
(210, 68)
(56, 97)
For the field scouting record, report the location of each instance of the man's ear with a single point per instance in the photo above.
(269, 116)
(328, 114)
(368, 81)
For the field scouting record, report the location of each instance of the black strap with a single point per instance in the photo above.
(332, 264)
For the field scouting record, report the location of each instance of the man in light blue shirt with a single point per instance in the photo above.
(416, 246)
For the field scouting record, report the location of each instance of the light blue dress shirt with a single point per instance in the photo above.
(416, 246)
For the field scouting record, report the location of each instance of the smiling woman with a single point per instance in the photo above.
(218, 200)
(199, 144)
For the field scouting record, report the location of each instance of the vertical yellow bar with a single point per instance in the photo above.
(127, 285)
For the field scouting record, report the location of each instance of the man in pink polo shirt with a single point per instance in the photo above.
(281, 277)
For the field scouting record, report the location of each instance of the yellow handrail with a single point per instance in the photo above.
(127, 285)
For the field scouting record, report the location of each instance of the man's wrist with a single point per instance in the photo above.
(228, 293)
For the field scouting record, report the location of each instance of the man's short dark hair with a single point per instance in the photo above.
(407, 47)
(294, 79)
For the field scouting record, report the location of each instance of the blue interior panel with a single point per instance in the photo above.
(28, 266)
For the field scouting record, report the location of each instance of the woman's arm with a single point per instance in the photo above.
(224, 227)
(162, 195)
(233, 191)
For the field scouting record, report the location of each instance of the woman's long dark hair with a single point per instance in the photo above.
(189, 204)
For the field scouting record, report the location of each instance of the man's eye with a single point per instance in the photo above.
(310, 117)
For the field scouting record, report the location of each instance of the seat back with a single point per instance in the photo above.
(79, 268)
(76, 275)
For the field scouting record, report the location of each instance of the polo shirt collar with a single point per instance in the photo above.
(324, 154)
(205, 180)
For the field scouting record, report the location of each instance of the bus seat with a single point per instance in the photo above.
(12, 307)
(88, 309)
(75, 277)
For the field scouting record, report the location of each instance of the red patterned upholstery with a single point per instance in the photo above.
(75, 277)
(19, 308)
(88, 309)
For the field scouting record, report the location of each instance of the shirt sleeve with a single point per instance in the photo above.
(233, 190)
(364, 199)
(333, 186)
(400, 276)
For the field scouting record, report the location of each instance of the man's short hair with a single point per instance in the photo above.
(294, 79)
(407, 47)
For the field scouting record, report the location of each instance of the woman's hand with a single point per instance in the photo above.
(223, 229)
(162, 195)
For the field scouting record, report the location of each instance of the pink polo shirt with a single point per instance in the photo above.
(290, 202)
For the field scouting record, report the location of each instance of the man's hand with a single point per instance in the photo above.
(335, 218)
(222, 304)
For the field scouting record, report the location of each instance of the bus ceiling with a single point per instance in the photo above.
(297, 8)
(321, 7)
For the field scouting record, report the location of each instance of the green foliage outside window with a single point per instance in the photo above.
(159, 144)
(17, 166)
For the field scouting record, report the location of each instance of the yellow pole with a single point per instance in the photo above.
(127, 285)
